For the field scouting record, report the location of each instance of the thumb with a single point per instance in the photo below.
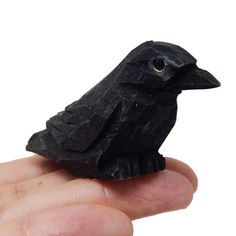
(83, 220)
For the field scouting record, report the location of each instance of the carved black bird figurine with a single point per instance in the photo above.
(115, 130)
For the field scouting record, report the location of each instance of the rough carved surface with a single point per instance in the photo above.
(115, 130)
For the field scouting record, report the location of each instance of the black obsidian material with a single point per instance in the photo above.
(115, 130)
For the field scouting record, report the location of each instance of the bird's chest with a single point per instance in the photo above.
(137, 113)
(145, 109)
(143, 126)
(143, 118)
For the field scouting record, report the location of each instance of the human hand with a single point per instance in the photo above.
(37, 198)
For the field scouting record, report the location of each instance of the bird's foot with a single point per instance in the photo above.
(151, 162)
(132, 165)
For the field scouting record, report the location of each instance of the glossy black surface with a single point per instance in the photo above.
(115, 130)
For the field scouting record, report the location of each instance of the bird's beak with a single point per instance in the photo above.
(195, 78)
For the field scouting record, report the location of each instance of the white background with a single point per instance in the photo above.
(51, 52)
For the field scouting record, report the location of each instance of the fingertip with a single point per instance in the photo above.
(182, 191)
(171, 191)
(184, 169)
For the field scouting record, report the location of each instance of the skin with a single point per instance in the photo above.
(38, 198)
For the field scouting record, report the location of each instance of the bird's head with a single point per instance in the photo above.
(165, 66)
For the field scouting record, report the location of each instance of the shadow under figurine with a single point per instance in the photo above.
(115, 130)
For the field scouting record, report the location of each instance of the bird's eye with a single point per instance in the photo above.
(159, 64)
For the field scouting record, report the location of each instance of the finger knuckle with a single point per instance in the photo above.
(2, 199)
(23, 228)
(89, 191)
(3, 211)
(19, 190)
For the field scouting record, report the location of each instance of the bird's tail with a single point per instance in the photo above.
(38, 143)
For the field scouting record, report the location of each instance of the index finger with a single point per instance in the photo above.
(138, 197)
(26, 168)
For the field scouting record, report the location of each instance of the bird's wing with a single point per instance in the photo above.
(80, 124)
